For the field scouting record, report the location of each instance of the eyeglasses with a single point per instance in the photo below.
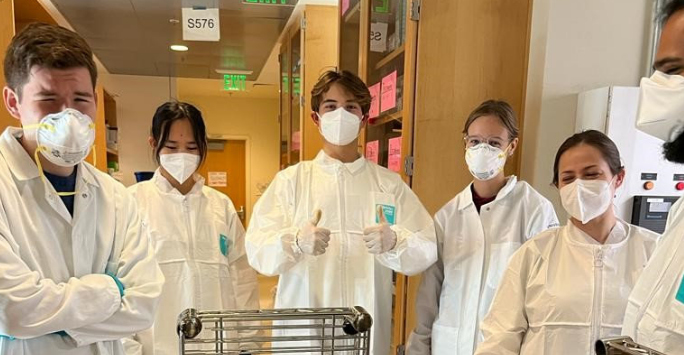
(471, 141)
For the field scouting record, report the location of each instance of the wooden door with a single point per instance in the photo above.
(227, 158)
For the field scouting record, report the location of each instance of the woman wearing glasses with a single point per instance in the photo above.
(477, 232)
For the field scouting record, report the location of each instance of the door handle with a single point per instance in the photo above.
(241, 212)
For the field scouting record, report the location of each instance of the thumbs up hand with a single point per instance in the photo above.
(311, 239)
(381, 238)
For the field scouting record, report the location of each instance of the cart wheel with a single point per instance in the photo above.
(601, 348)
(359, 322)
(189, 324)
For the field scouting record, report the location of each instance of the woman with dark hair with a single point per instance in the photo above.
(477, 232)
(568, 287)
(195, 231)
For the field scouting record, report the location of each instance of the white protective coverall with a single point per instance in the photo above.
(655, 311)
(198, 240)
(562, 291)
(346, 275)
(474, 249)
(52, 266)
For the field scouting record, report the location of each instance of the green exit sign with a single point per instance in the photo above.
(269, 2)
(234, 82)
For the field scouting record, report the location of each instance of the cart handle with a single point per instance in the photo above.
(359, 322)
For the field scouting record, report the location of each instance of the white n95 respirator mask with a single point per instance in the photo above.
(339, 127)
(586, 199)
(485, 161)
(65, 138)
(661, 106)
(180, 165)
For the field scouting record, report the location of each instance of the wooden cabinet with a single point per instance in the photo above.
(378, 43)
(469, 51)
(485, 57)
(111, 134)
(6, 34)
(308, 47)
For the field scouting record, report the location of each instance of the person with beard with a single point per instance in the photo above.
(655, 310)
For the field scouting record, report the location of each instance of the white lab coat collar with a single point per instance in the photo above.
(617, 236)
(21, 164)
(331, 164)
(467, 199)
(165, 186)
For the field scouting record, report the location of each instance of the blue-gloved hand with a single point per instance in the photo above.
(118, 284)
(7, 337)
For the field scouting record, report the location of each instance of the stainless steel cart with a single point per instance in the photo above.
(277, 331)
(622, 346)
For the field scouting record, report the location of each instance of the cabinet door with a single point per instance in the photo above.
(296, 97)
(350, 39)
(390, 74)
(284, 60)
(6, 34)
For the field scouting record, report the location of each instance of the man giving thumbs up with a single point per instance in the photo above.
(335, 228)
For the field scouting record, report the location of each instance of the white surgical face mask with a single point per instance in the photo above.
(339, 127)
(180, 165)
(586, 199)
(661, 106)
(65, 138)
(485, 161)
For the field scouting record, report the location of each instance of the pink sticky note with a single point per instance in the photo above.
(388, 99)
(394, 161)
(345, 6)
(375, 102)
(296, 140)
(372, 151)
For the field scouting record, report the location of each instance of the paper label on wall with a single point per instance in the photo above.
(218, 179)
(388, 97)
(201, 24)
(394, 160)
(375, 101)
(345, 7)
(378, 37)
(373, 151)
(296, 140)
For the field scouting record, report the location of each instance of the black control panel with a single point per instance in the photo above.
(651, 212)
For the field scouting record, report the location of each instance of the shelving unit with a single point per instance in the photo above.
(378, 42)
(307, 48)
(110, 140)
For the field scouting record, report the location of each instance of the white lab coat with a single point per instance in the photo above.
(562, 291)
(346, 275)
(185, 232)
(52, 265)
(455, 293)
(655, 317)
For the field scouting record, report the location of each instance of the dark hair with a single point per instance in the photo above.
(596, 139)
(171, 112)
(671, 8)
(350, 82)
(47, 46)
(500, 109)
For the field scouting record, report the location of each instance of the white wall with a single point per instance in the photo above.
(137, 98)
(253, 118)
(576, 45)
